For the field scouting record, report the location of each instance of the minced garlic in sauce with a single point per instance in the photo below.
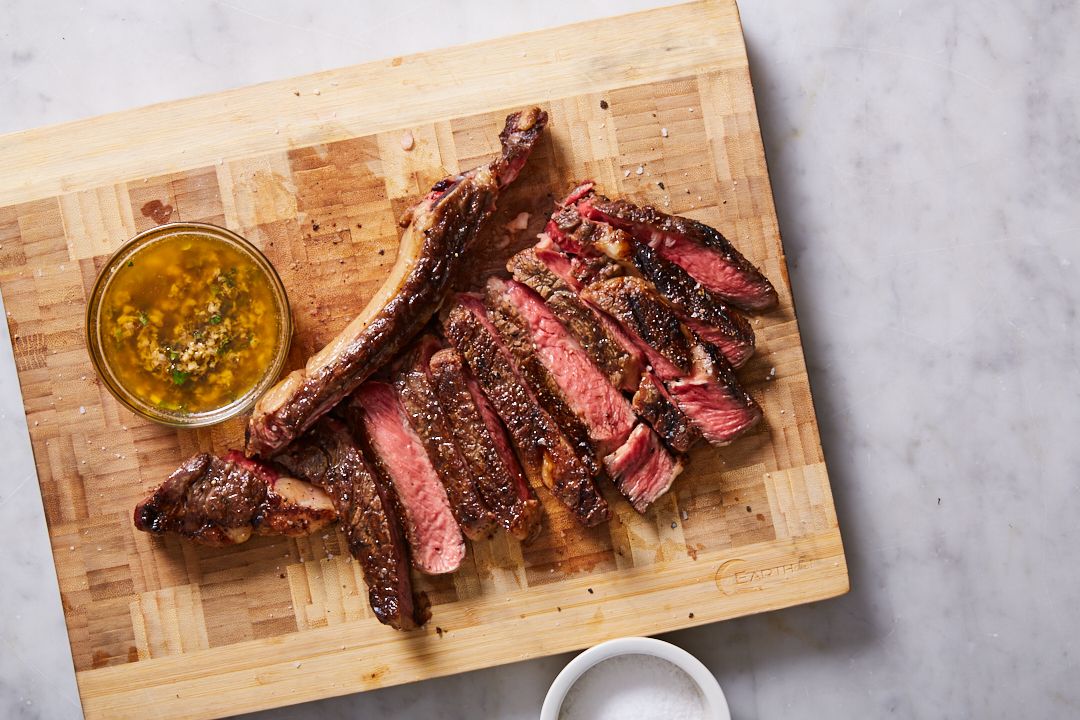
(189, 324)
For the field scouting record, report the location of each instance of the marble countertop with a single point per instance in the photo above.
(925, 158)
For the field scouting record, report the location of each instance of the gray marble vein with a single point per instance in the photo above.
(925, 158)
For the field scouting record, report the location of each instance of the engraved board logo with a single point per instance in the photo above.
(737, 575)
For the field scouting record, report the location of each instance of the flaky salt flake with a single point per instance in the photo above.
(407, 141)
(640, 169)
(82, 410)
(663, 132)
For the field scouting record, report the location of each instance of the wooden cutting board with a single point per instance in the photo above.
(313, 171)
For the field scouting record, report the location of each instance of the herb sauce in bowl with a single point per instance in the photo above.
(188, 323)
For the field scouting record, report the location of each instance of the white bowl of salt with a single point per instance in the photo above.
(635, 677)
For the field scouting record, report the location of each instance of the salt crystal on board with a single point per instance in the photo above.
(642, 687)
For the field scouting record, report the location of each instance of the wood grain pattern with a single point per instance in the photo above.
(196, 632)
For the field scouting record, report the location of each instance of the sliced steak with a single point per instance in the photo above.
(223, 501)
(375, 411)
(328, 457)
(608, 347)
(698, 378)
(642, 468)
(603, 411)
(700, 250)
(701, 309)
(654, 405)
(432, 426)
(545, 453)
(440, 232)
(515, 336)
(482, 440)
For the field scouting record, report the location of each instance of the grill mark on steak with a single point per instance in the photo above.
(642, 469)
(701, 309)
(653, 405)
(440, 231)
(545, 453)
(695, 373)
(375, 411)
(430, 423)
(640, 311)
(600, 407)
(482, 441)
(219, 502)
(513, 331)
(611, 351)
(328, 457)
(702, 251)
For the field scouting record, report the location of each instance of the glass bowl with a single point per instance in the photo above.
(126, 257)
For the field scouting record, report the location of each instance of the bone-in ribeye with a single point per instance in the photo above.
(440, 231)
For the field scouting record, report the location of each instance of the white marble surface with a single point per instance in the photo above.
(926, 162)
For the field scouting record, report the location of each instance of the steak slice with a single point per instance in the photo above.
(224, 501)
(700, 250)
(482, 441)
(545, 453)
(514, 334)
(426, 416)
(654, 405)
(698, 378)
(375, 413)
(603, 411)
(642, 468)
(328, 457)
(616, 356)
(440, 231)
(701, 309)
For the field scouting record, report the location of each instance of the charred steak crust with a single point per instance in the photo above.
(328, 457)
(545, 453)
(634, 304)
(440, 232)
(696, 302)
(543, 386)
(654, 406)
(219, 502)
(431, 425)
(701, 308)
(498, 475)
(644, 222)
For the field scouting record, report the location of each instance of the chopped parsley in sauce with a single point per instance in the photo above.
(189, 324)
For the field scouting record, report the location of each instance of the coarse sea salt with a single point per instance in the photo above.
(642, 687)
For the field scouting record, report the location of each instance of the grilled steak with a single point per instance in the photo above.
(514, 334)
(440, 231)
(432, 426)
(653, 405)
(329, 458)
(698, 378)
(375, 413)
(602, 410)
(642, 468)
(700, 250)
(219, 502)
(482, 440)
(545, 453)
(701, 309)
(609, 349)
